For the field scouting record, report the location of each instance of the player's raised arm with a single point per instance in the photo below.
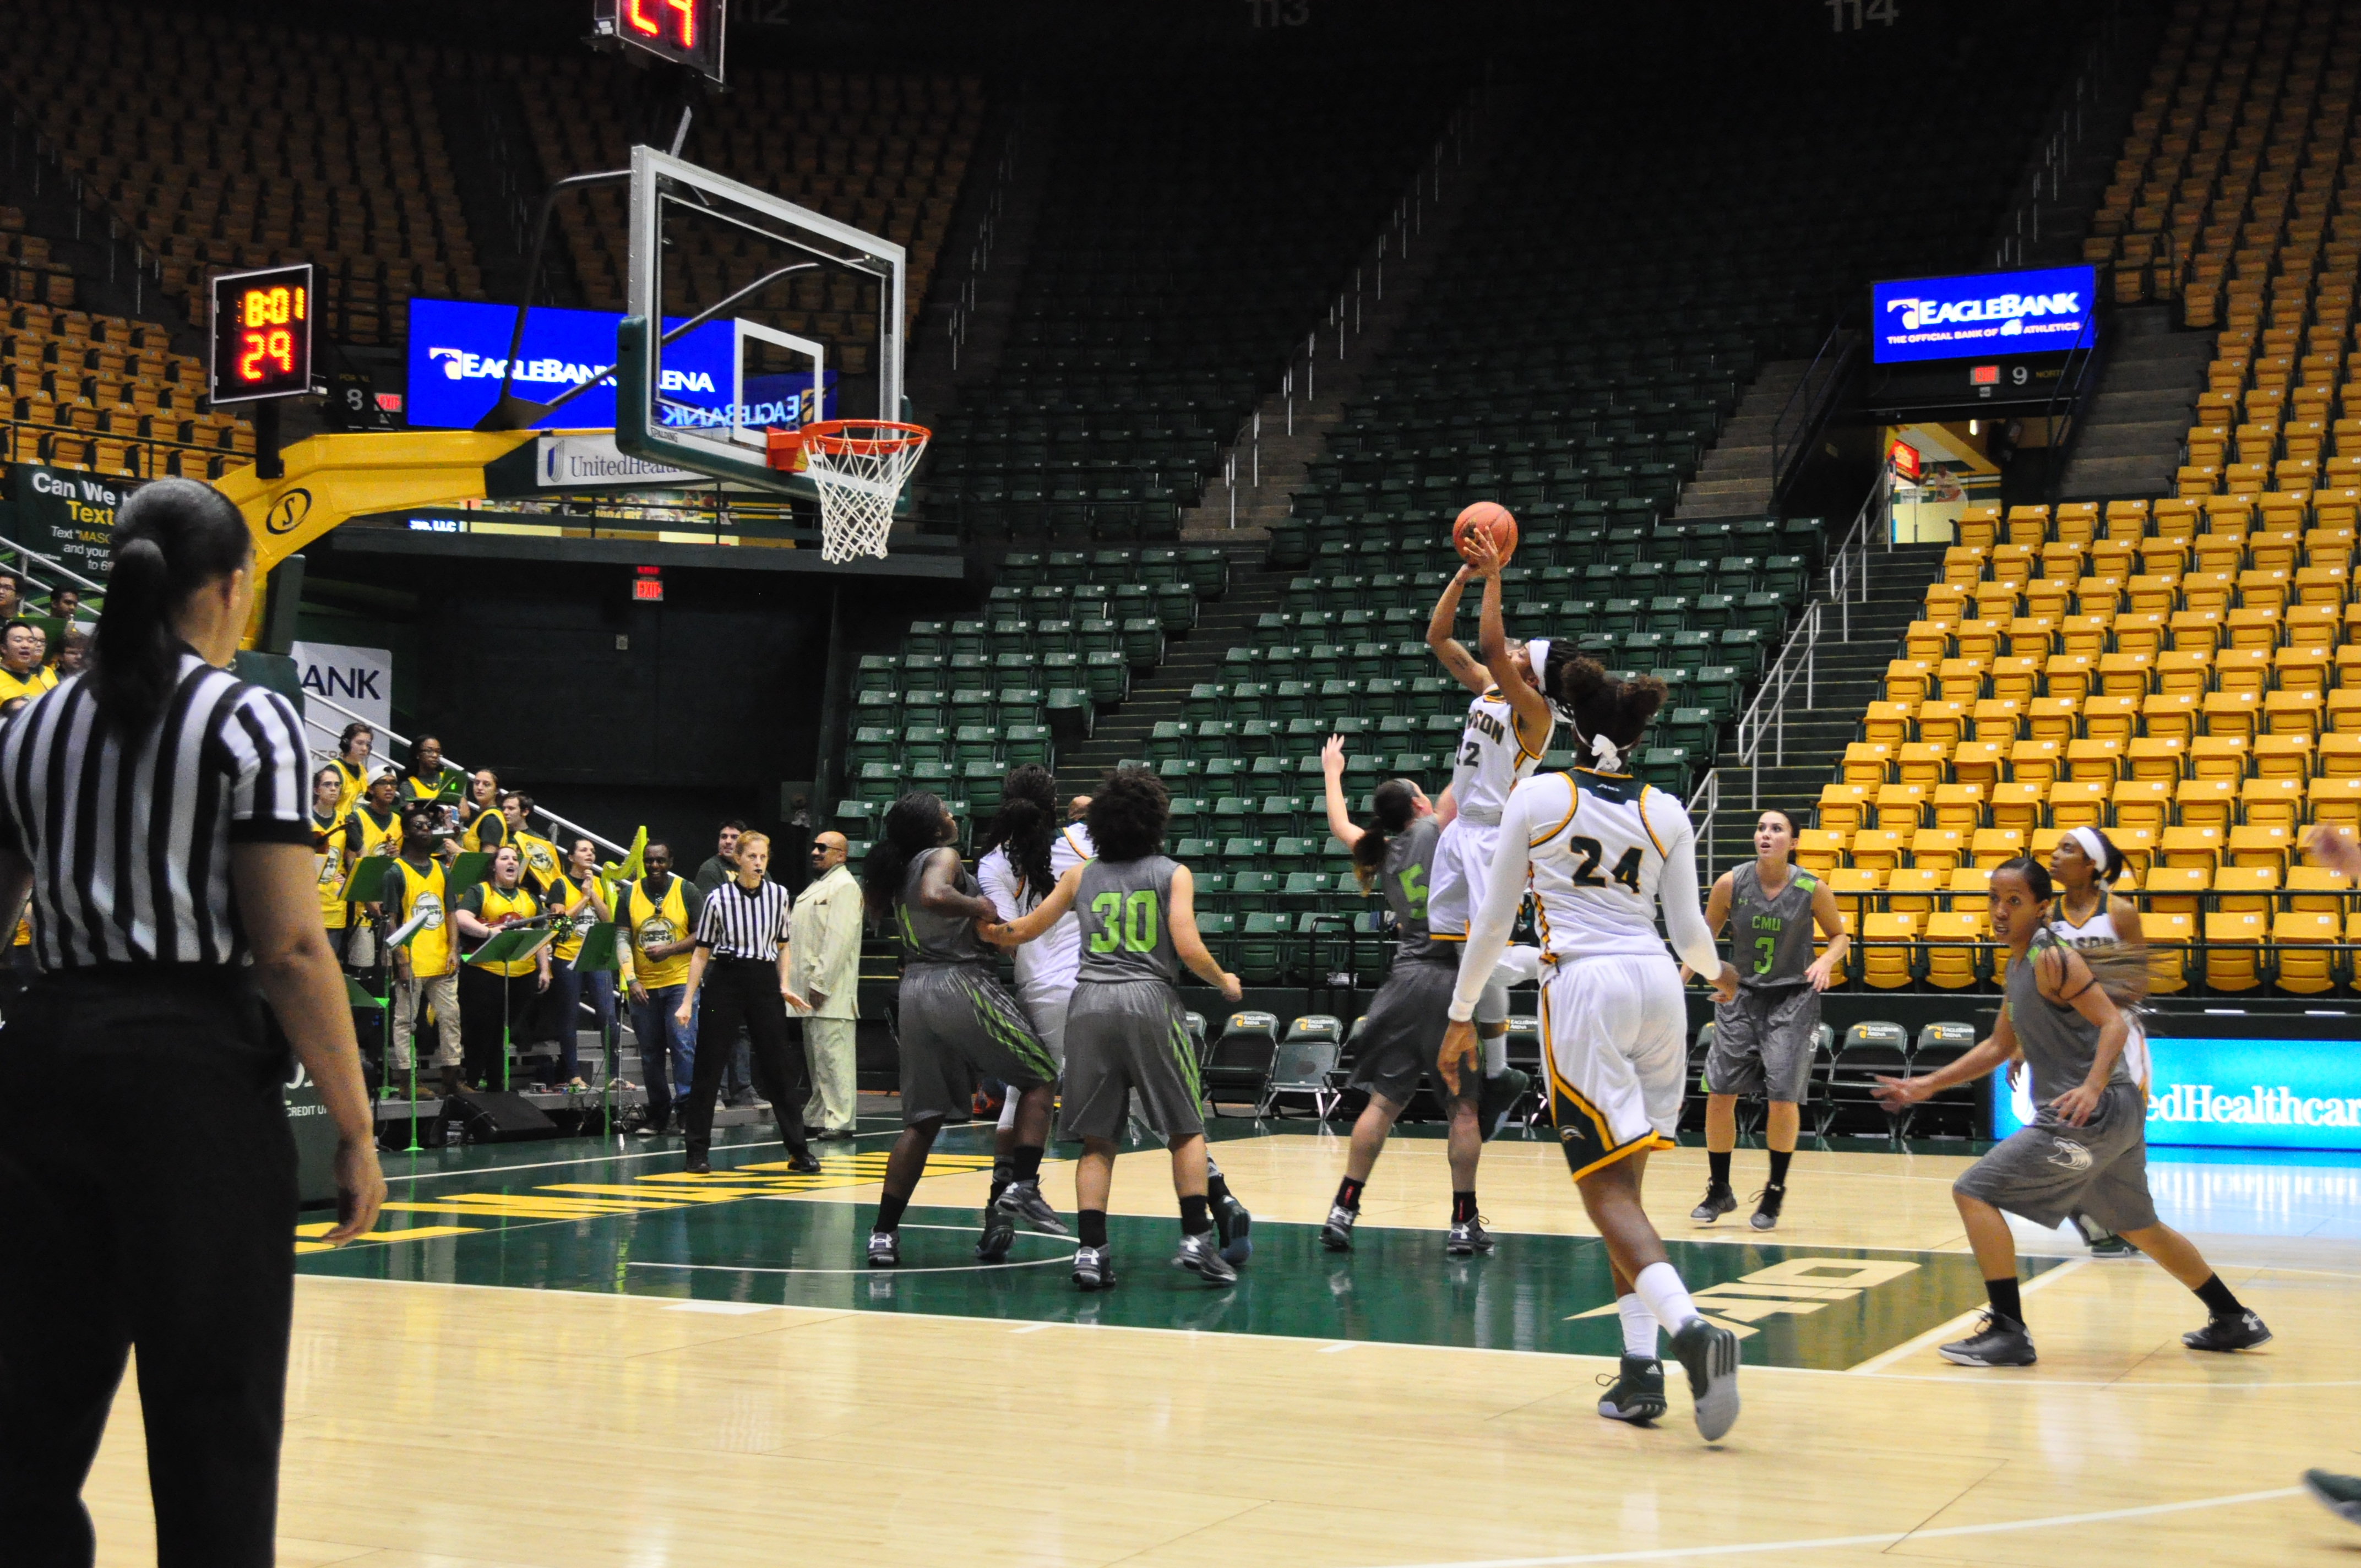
(1526, 700)
(1332, 771)
(1457, 659)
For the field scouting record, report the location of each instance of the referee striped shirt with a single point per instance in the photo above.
(736, 923)
(129, 846)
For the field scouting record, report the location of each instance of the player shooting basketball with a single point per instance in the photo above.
(1509, 728)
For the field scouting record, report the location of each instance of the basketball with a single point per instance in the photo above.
(1490, 515)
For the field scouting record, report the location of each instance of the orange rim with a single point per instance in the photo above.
(863, 437)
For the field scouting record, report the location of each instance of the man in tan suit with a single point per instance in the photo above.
(824, 968)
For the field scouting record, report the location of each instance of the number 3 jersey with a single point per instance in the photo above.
(1598, 845)
(1124, 908)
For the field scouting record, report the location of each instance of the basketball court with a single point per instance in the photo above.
(633, 1366)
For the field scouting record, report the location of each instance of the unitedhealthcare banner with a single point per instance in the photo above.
(458, 351)
(2042, 310)
(2240, 1094)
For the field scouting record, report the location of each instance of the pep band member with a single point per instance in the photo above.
(175, 1241)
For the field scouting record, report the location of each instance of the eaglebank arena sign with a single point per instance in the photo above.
(2043, 310)
(2241, 1093)
(459, 352)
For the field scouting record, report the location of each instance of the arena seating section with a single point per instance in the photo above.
(2182, 672)
(887, 154)
(1189, 239)
(161, 115)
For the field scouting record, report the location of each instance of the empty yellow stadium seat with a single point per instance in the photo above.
(1909, 680)
(2156, 757)
(1854, 886)
(1886, 952)
(1880, 849)
(2293, 712)
(1960, 806)
(2138, 632)
(2092, 759)
(2336, 800)
(2245, 889)
(2122, 673)
(2076, 803)
(1979, 526)
(2303, 667)
(2111, 718)
(2338, 757)
(2281, 756)
(1922, 762)
(1867, 762)
(2176, 890)
(1968, 887)
(2233, 951)
(2316, 890)
(2184, 846)
(1888, 723)
(2206, 802)
(1901, 807)
(2053, 718)
(1928, 640)
(2168, 933)
(1821, 850)
(2306, 963)
(1992, 846)
(1981, 762)
(1957, 680)
(2243, 670)
(2272, 801)
(1954, 962)
(2035, 761)
(2181, 669)
(1942, 723)
(2260, 844)
(2085, 635)
(1913, 889)
(1976, 640)
(1843, 807)
(2172, 713)
(1995, 718)
(2017, 679)
(1937, 849)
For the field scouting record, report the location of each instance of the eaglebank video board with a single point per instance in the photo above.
(459, 350)
(2238, 1093)
(2043, 310)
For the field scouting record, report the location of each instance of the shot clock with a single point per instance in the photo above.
(263, 334)
(686, 32)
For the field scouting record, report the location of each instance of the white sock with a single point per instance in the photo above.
(1659, 1286)
(1638, 1326)
(1496, 1056)
(1008, 1111)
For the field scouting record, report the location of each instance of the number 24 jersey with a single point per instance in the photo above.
(1597, 844)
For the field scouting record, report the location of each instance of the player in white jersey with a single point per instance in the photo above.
(1030, 851)
(1601, 852)
(1510, 725)
(2085, 864)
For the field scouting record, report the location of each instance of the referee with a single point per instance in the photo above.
(741, 944)
(156, 810)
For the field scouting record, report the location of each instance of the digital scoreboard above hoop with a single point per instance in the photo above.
(686, 32)
(261, 334)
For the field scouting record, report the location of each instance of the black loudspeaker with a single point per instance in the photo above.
(492, 1117)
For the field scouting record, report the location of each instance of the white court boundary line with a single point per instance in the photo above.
(885, 1273)
(1891, 1538)
(1875, 1364)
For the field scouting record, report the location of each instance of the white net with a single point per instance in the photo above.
(860, 468)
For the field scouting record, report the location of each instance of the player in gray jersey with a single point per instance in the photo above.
(2087, 1148)
(1398, 1036)
(1126, 1030)
(1762, 1040)
(957, 1024)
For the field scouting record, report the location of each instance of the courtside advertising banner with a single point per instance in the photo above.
(2237, 1094)
(458, 351)
(1984, 315)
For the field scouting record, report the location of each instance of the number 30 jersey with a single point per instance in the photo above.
(1124, 909)
(1598, 845)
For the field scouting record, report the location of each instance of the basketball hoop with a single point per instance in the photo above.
(858, 466)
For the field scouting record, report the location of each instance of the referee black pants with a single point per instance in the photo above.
(166, 1224)
(745, 991)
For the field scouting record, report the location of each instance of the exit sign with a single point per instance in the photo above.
(647, 586)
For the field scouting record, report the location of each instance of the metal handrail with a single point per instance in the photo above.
(62, 570)
(388, 731)
(1837, 351)
(1849, 566)
(1704, 802)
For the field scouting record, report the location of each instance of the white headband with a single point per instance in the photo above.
(1606, 757)
(2094, 846)
(1538, 651)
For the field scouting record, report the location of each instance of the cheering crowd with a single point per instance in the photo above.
(501, 944)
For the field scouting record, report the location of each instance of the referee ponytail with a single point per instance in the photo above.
(171, 538)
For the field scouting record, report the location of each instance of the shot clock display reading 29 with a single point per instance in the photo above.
(263, 334)
(686, 32)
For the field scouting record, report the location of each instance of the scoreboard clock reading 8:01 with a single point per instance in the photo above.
(263, 334)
